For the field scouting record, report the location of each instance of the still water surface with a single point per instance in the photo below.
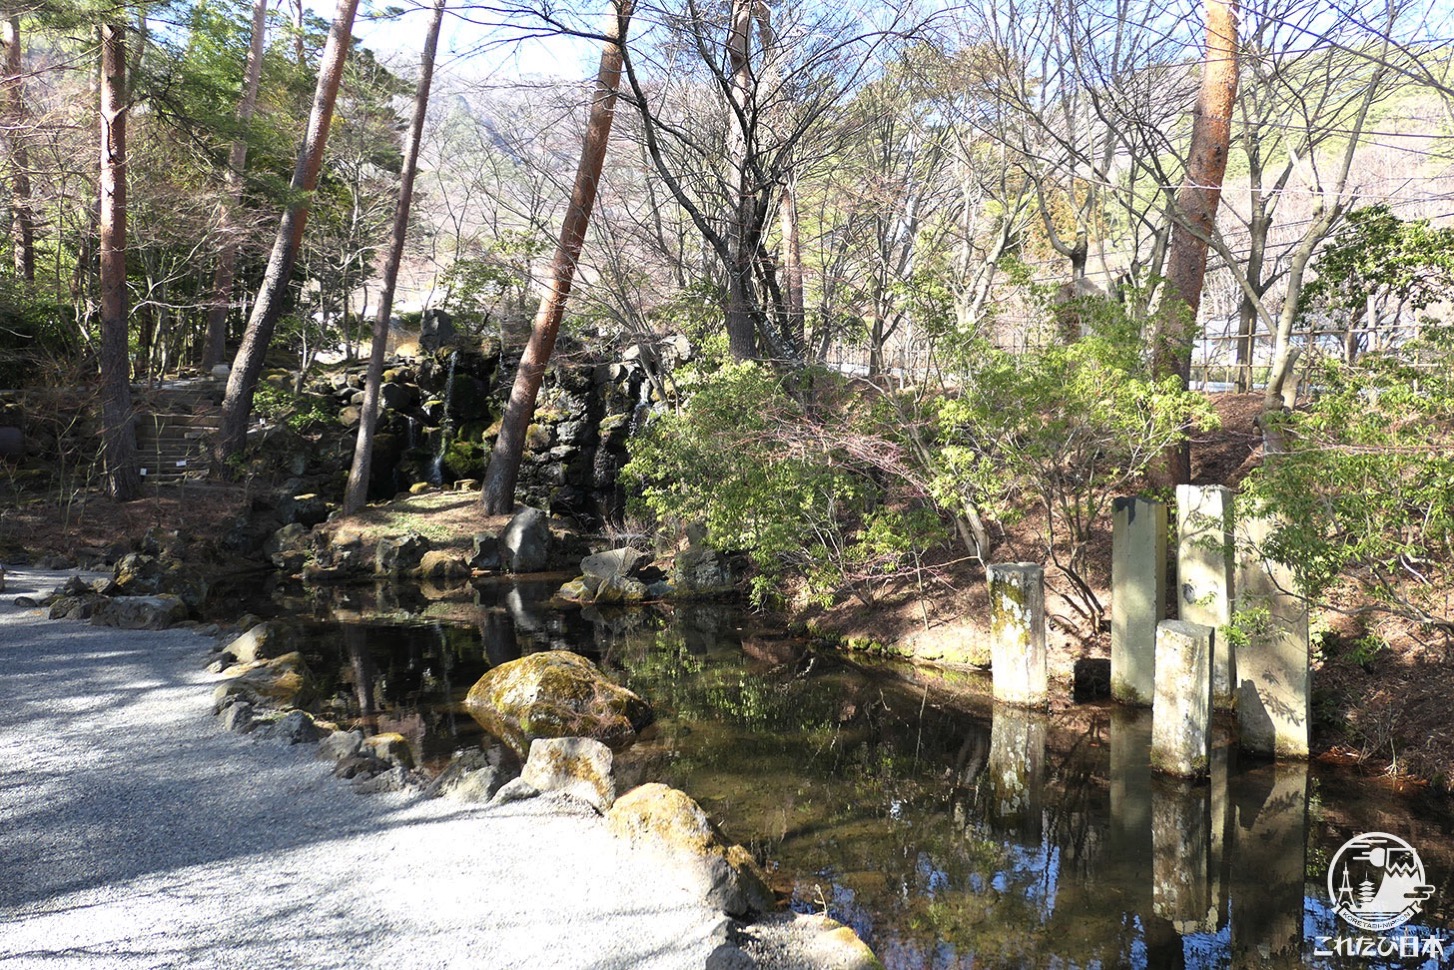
(948, 832)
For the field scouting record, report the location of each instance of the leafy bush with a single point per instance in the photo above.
(772, 474)
(1065, 428)
(1365, 489)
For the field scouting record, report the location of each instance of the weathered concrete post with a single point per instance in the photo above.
(1204, 575)
(1181, 719)
(1017, 632)
(1138, 596)
(1272, 665)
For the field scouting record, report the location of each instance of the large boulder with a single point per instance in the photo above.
(140, 612)
(474, 776)
(580, 767)
(702, 571)
(525, 543)
(669, 823)
(555, 694)
(262, 641)
(289, 547)
(280, 682)
(137, 574)
(399, 554)
(485, 552)
(611, 563)
(443, 567)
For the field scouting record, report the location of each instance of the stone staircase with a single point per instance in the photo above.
(174, 428)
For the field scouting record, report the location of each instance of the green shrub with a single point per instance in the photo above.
(1365, 488)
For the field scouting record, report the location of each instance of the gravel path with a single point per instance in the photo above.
(134, 832)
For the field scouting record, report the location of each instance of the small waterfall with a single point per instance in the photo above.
(642, 408)
(402, 480)
(446, 425)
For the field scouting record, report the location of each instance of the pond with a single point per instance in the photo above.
(948, 832)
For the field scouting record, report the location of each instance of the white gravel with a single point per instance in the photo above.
(134, 832)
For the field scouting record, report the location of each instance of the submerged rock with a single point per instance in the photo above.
(555, 694)
(669, 822)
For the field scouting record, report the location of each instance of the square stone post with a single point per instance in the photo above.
(1181, 719)
(1138, 596)
(1273, 692)
(1204, 575)
(1017, 632)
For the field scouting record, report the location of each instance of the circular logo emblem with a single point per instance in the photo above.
(1376, 881)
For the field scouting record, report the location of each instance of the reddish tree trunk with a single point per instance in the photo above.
(268, 308)
(358, 475)
(215, 344)
(118, 440)
(498, 496)
(1201, 193)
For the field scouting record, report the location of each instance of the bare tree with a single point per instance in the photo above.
(13, 115)
(268, 308)
(358, 476)
(117, 435)
(498, 494)
(214, 344)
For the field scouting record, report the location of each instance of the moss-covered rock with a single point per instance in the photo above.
(281, 682)
(580, 767)
(669, 822)
(555, 694)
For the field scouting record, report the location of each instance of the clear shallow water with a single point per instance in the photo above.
(947, 832)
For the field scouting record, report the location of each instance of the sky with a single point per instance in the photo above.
(470, 48)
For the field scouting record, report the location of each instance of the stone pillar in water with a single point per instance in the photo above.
(1138, 596)
(1204, 575)
(1181, 855)
(1272, 665)
(1181, 719)
(1017, 632)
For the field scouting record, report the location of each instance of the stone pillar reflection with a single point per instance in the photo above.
(1016, 772)
(1269, 856)
(1181, 855)
(497, 633)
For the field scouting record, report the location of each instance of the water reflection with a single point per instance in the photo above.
(947, 832)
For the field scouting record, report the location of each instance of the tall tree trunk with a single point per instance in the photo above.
(268, 308)
(22, 225)
(358, 475)
(792, 259)
(216, 341)
(498, 496)
(1201, 193)
(118, 440)
(741, 330)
